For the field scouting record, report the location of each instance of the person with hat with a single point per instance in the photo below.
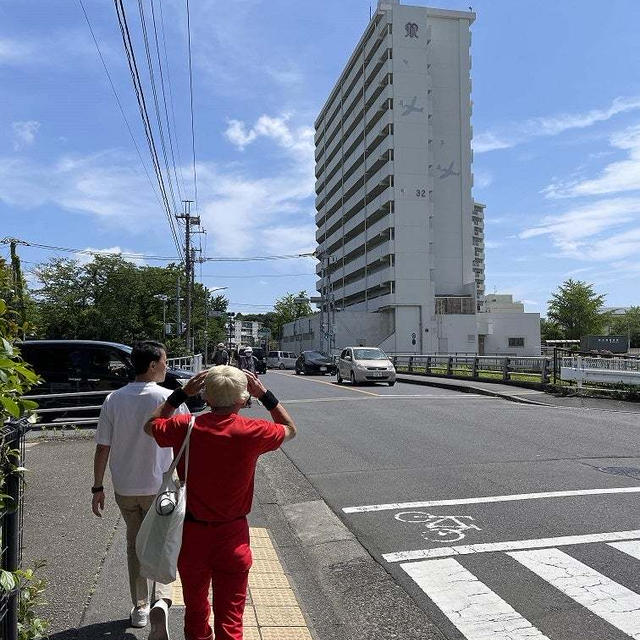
(221, 355)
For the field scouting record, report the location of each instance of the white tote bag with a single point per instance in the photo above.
(160, 536)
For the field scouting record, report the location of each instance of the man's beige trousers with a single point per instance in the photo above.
(134, 509)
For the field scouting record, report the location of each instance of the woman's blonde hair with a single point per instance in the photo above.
(225, 386)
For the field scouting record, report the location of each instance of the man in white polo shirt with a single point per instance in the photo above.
(136, 463)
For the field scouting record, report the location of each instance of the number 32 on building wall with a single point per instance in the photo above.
(421, 193)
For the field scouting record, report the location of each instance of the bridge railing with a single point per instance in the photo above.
(603, 370)
(194, 363)
(532, 369)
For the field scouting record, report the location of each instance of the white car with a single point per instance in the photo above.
(281, 360)
(365, 364)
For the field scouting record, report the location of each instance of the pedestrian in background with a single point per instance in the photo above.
(136, 464)
(224, 450)
(221, 355)
(247, 361)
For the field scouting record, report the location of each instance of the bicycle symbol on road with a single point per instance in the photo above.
(439, 528)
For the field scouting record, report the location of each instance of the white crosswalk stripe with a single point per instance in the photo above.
(474, 609)
(481, 614)
(611, 601)
(631, 548)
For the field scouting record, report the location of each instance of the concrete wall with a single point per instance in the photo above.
(502, 326)
(351, 328)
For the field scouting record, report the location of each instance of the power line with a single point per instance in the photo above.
(164, 97)
(173, 112)
(258, 275)
(154, 91)
(115, 93)
(144, 256)
(193, 135)
(137, 85)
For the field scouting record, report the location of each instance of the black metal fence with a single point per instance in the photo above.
(11, 520)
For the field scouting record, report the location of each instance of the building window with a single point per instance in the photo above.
(516, 342)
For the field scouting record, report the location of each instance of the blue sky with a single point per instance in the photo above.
(556, 120)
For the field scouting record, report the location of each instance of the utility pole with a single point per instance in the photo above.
(178, 315)
(16, 276)
(189, 220)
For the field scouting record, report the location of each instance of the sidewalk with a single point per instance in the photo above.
(88, 592)
(520, 394)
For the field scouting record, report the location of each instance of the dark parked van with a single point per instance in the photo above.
(85, 366)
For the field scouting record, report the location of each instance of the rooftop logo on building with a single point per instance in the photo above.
(411, 29)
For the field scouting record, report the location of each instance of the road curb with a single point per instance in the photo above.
(471, 389)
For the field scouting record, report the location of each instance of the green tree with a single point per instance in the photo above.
(112, 299)
(577, 310)
(627, 324)
(286, 309)
(550, 330)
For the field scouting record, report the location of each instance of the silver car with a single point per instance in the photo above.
(365, 364)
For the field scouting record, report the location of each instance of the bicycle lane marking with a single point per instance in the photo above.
(441, 528)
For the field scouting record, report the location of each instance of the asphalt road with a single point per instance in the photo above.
(501, 520)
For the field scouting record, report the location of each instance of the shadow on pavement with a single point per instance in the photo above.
(113, 630)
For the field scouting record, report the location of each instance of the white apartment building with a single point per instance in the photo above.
(393, 168)
(246, 333)
(478, 252)
(400, 240)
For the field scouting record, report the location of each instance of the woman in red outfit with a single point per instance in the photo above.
(224, 449)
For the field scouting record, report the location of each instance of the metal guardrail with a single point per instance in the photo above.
(500, 367)
(11, 523)
(84, 421)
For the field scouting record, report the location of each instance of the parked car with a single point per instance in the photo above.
(365, 364)
(310, 362)
(258, 352)
(83, 366)
(281, 360)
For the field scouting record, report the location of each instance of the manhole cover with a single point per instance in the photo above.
(630, 472)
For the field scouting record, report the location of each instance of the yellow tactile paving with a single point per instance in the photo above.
(266, 566)
(264, 554)
(284, 633)
(280, 616)
(261, 543)
(274, 597)
(268, 581)
(271, 611)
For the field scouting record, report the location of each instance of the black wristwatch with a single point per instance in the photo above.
(97, 489)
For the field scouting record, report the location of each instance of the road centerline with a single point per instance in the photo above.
(331, 384)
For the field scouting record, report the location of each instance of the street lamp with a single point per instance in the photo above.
(164, 298)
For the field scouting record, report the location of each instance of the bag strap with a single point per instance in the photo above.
(185, 445)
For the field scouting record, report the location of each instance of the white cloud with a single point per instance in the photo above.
(298, 141)
(581, 232)
(518, 133)
(617, 177)
(482, 179)
(14, 51)
(108, 185)
(85, 257)
(24, 133)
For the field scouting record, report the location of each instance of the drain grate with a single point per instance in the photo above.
(630, 472)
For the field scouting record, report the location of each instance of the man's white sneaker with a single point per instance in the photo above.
(139, 616)
(159, 617)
